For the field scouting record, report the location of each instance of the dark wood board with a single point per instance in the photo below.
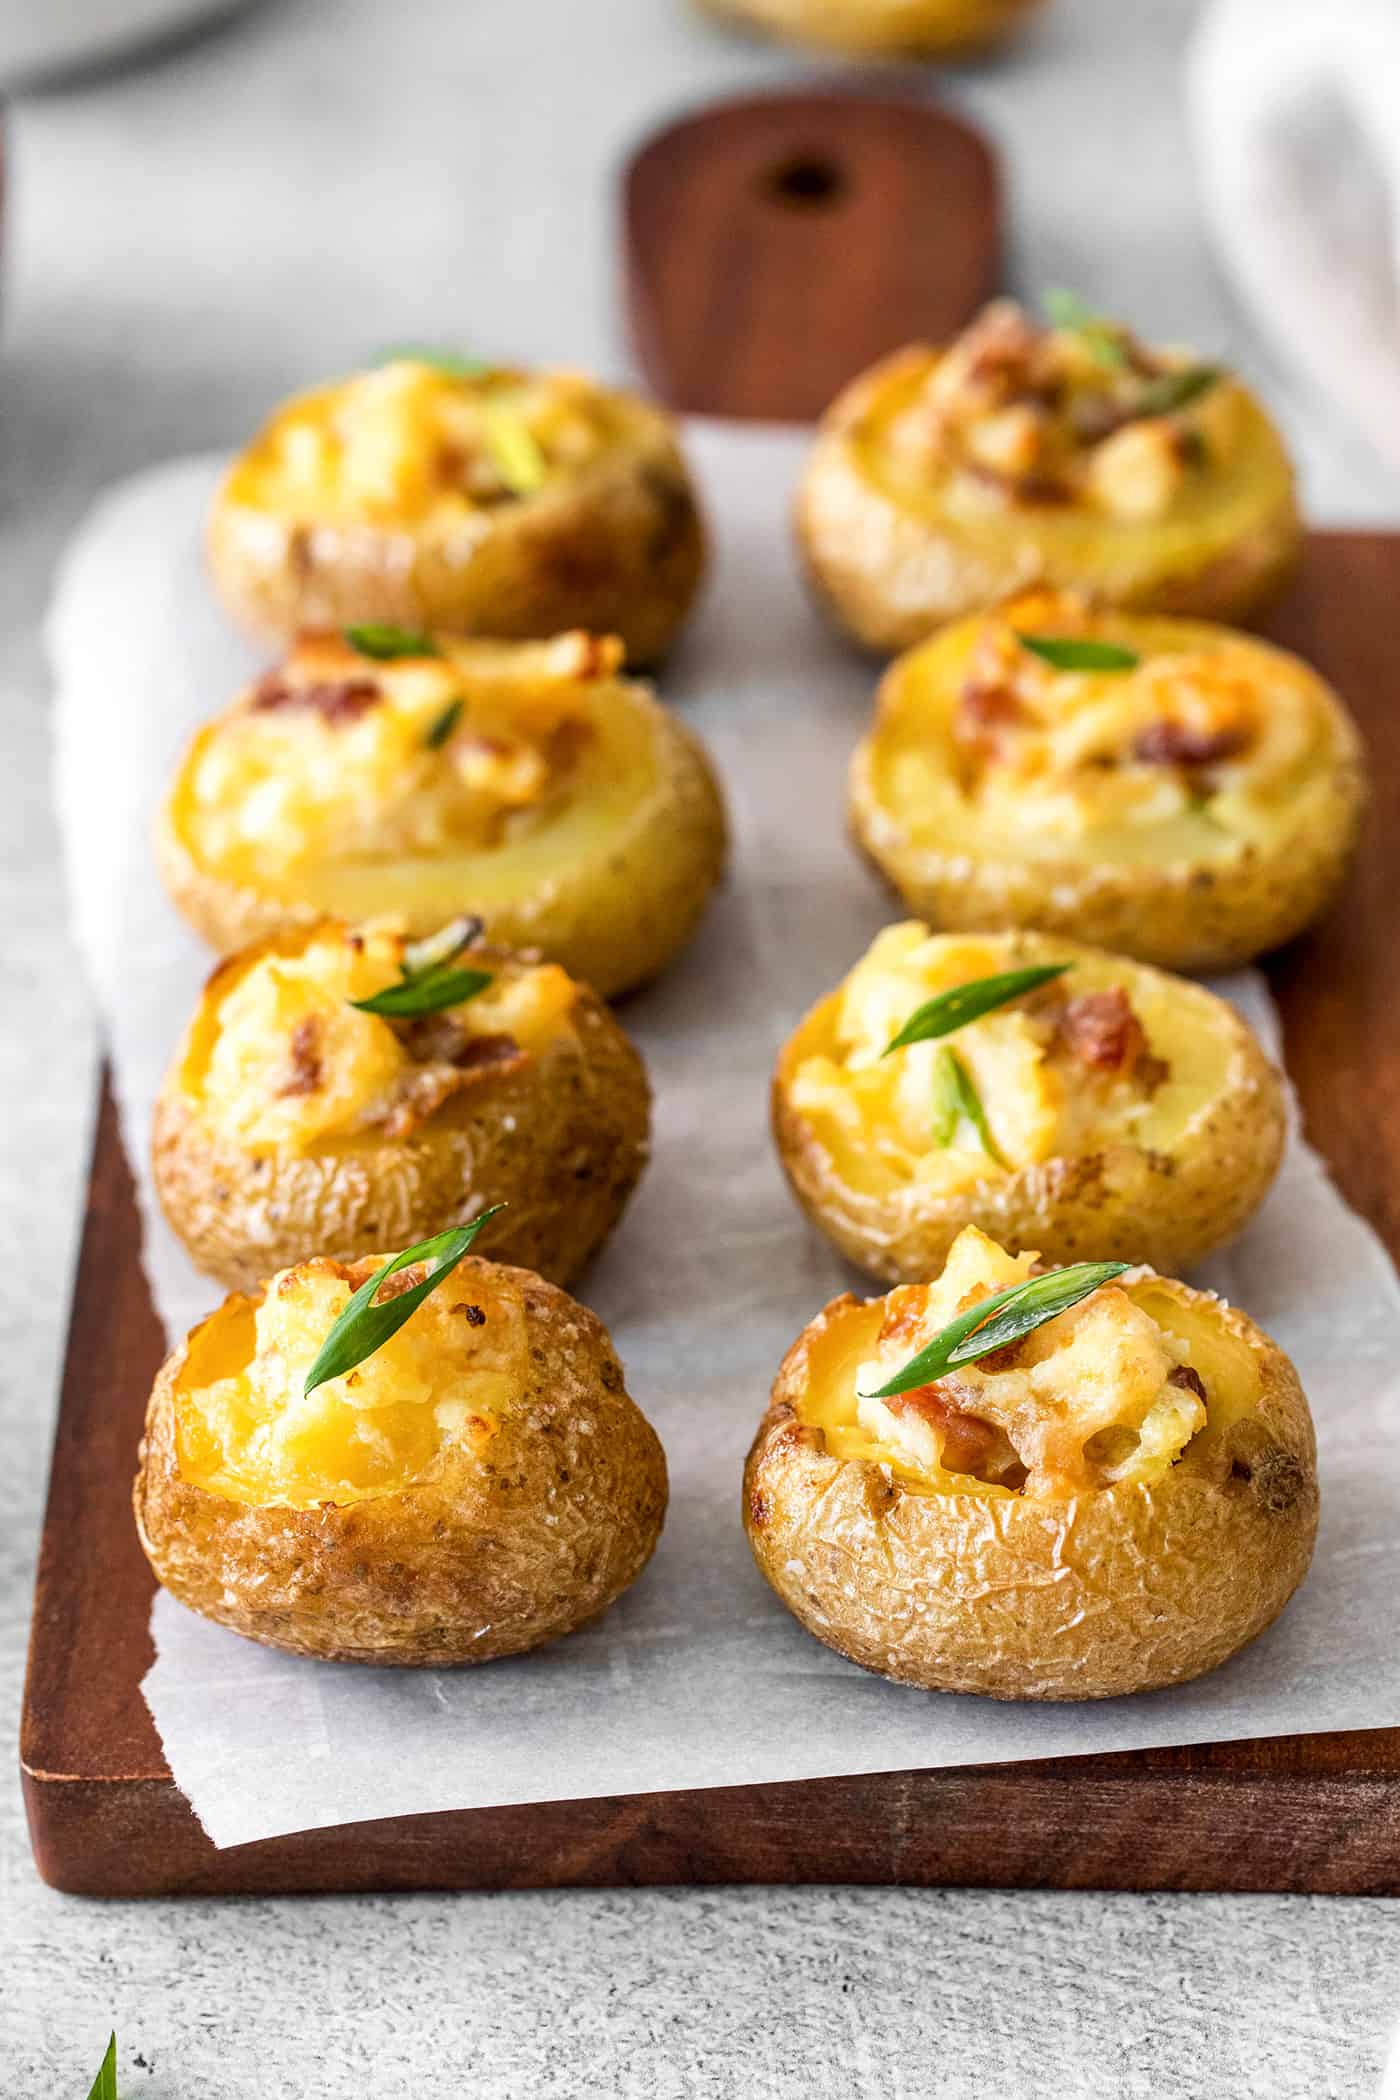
(1319, 1813)
(776, 247)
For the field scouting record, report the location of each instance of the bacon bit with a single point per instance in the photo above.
(1102, 1031)
(985, 708)
(334, 700)
(1177, 744)
(568, 740)
(457, 1059)
(474, 1315)
(966, 1444)
(1190, 1381)
(306, 1058)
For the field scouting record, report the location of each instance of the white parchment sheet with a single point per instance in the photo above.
(698, 1677)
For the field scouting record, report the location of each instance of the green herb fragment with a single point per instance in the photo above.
(1102, 338)
(1176, 390)
(514, 450)
(385, 644)
(104, 2086)
(968, 1002)
(441, 728)
(449, 362)
(1000, 1319)
(364, 1326)
(444, 946)
(432, 994)
(1068, 652)
(957, 1101)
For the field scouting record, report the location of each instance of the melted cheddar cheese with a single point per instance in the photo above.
(1199, 750)
(412, 442)
(246, 1430)
(280, 1059)
(1159, 1063)
(1112, 1392)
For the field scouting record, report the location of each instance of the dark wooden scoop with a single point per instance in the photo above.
(774, 248)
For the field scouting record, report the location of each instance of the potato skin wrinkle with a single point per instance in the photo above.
(489, 1552)
(962, 1588)
(1169, 1188)
(559, 1133)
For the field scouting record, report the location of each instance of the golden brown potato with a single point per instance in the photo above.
(944, 480)
(525, 781)
(1118, 1501)
(933, 28)
(291, 1123)
(1191, 806)
(479, 1485)
(487, 502)
(1111, 1114)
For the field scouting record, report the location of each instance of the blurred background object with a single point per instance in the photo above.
(41, 38)
(929, 28)
(1295, 119)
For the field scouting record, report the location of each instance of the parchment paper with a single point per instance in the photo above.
(698, 1677)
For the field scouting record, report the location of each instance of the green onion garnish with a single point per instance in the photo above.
(514, 450)
(364, 1326)
(1068, 652)
(442, 726)
(1000, 1319)
(968, 1002)
(384, 643)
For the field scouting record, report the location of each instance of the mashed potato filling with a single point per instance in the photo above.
(280, 1058)
(1099, 1057)
(413, 442)
(1200, 750)
(1085, 419)
(1104, 1394)
(246, 1431)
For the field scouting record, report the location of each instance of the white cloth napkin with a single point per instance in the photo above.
(1294, 108)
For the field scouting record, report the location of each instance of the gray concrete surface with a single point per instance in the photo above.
(185, 240)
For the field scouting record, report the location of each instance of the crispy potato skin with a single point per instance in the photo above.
(1123, 1203)
(1123, 1591)
(890, 575)
(562, 1141)
(941, 28)
(485, 1556)
(1178, 914)
(614, 919)
(618, 548)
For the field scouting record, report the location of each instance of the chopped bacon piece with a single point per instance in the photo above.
(1177, 744)
(335, 700)
(966, 1444)
(1102, 1031)
(567, 742)
(985, 708)
(305, 1077)
(1190, 1381)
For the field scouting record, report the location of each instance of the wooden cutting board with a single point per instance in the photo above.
(1318, 1813)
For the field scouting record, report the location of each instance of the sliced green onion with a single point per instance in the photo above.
(450, 362)
(1102, 338)
(514, 450)
(968, 1002)
(957, 1101)
(431, 993)
(104, 2086)
(384, 644)
(1000, 1319)
(442, 726)
(1176, 390)
(1071, 652)
(364, 1326)
(444, 946)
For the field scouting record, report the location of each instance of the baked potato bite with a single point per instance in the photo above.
(1182, 793)
(433, 493)
(386, 772)
(295, 1122)
(1105, 1111)
(1073, 457)
(480, 1484)
(1116, 1500)
(933, 28)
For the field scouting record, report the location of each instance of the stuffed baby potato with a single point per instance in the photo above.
(1117, 1499)
(296, 1121)
(937, 28)
(431, 493)
(1180, 792)
(1088, 1107)
(1073, 457)
(478, 1485)
(386, 772)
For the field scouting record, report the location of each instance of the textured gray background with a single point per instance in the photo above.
(186, 240)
